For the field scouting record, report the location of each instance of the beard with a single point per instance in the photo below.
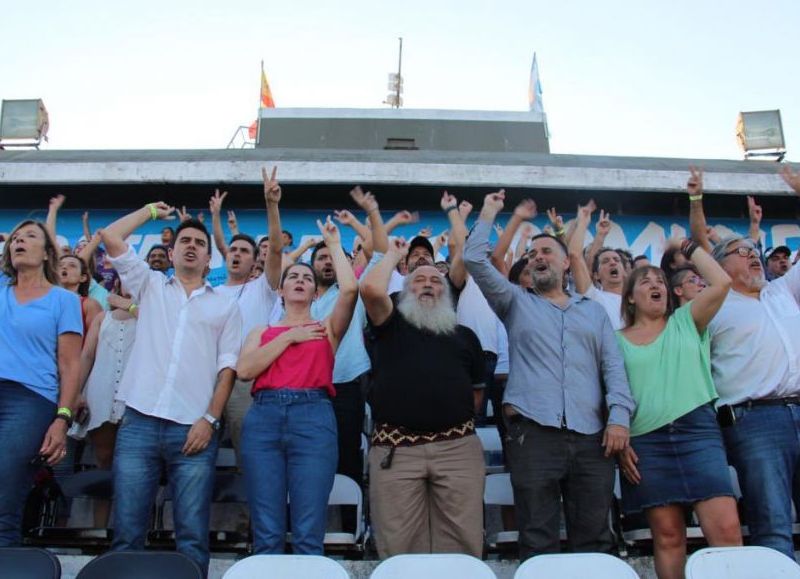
(437, 318)
(545, 281)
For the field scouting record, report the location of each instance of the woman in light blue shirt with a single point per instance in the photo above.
(40, 344)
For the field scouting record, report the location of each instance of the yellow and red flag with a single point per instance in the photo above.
(265, 102)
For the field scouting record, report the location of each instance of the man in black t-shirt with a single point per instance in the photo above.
(426, 464)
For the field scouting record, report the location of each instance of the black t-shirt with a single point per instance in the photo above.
(421, 380)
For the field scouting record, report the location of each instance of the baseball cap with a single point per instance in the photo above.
(421, 241)
(775, 250)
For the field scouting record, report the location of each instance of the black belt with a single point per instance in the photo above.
(769, 402)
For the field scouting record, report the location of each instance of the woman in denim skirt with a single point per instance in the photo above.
(676, 457)
(289, 443)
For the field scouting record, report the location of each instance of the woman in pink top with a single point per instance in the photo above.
(289, 434)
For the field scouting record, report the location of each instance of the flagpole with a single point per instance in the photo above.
(258, 118)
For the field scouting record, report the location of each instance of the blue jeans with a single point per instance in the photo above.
(24, 419)
(289, 445)
(143, 444)
(764, 448)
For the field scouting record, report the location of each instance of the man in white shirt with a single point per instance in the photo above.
(176, 384)
(255, 298)
(607, 268)
(755, 361)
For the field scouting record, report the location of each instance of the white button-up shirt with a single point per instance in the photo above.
(182, 343)
(755, 343)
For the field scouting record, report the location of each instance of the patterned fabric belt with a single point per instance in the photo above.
(389, 435)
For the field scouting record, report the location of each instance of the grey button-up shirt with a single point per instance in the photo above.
(562, 360)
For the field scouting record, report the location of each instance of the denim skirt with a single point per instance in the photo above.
(682, 462)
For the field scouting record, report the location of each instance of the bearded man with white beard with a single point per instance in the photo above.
(426, 465)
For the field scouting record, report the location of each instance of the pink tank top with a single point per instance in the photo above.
(304, 365)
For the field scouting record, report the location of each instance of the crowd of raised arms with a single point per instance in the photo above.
(592, 359)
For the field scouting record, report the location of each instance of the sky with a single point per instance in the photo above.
(628, 78)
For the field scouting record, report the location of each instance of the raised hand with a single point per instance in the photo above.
(498, 229)
(425, 231)
(604, 223)
(791, 177)
(406, 217)
(585, 211)
(272, 189)
(464, 209)
(164, 211)
(365, 201)
(555, 219)
(448, 202)
(233, 224)
(184, 215)
(57, 202)
(494, 201)
(306, 333)
(201, 217)
(215, 203)
(754, 210)
(398, 247)
(85, 217)
(345, 217)
(526, 209)
(694, 186)
(442, 238)
(330, 233)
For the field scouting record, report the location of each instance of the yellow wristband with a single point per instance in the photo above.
(64, 411)
(132, 308)
(153, 211)
(695, 197)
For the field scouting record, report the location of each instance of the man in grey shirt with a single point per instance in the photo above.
(566, 375)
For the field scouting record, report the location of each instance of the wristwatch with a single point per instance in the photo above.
(212, 421)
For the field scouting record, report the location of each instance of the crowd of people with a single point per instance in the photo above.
(591, 358)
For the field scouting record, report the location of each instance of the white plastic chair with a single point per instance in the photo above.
(435, 566)
(286, 567)
(575, 566)
(346, 492)
(740, 563)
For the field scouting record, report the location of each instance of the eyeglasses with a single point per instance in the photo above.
(695, 279)
(741, 251)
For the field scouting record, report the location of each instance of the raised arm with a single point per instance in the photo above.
(525, 235)
(296, 254)
(52, 218)
(755, 213)
(558, 224)
(272, 197)
(708, 302)
(697, 217)
(499, 292)
(458, 234)
(524, 211)
(215, 208)
(580, 271)
(374, 285)
(368, 203)
(602, 230)
(87, 231)
(342, 313)
(115, 234)
(346, 218)
(88, 250)
(401, 218)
